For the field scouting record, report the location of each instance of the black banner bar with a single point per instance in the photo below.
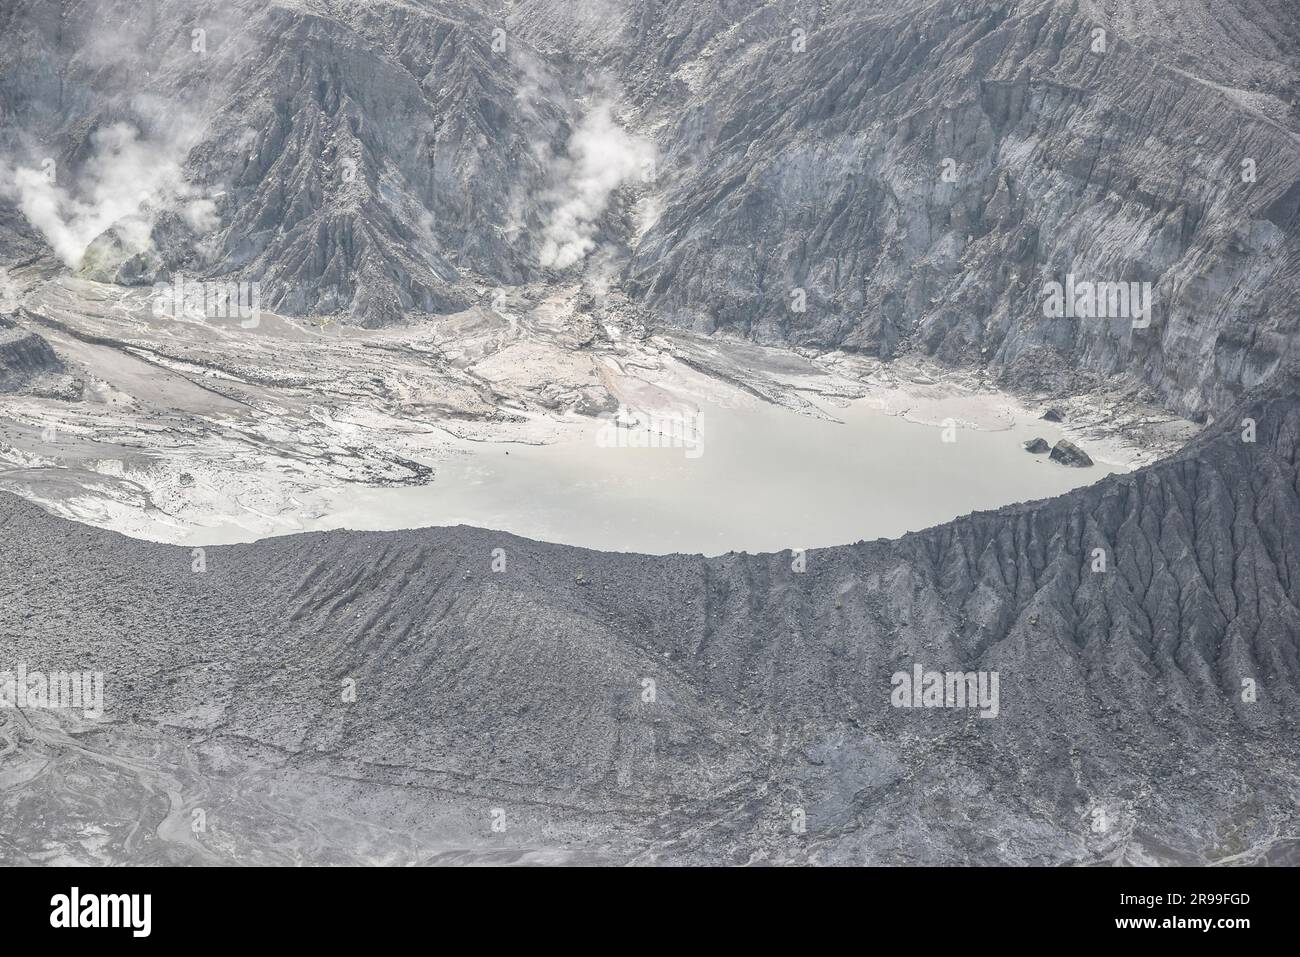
(337, 906)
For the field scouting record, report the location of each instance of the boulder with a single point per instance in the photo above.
(24, 357)
(1067, 453)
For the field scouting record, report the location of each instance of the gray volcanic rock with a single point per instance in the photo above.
(1053, 415)
(359, 161)
(921, 171)
(1067, 453)
(882, 176)
(111, 257)
(25, 357)
(889, 177)
(1037, 446)
(678, 708)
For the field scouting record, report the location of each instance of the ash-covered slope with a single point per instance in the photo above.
(921, 171)
(28, 364)
(1145, 631)
(357, 159)
(23, 356)
(918, 170)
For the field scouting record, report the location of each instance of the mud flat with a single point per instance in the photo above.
(754, 479)
(199, 433)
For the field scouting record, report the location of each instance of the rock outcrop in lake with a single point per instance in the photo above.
(1066, 452)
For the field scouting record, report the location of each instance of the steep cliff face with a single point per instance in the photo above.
(887, 177)
(1145, 632)
(361, 160)
(921, 174)
(388, 162)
